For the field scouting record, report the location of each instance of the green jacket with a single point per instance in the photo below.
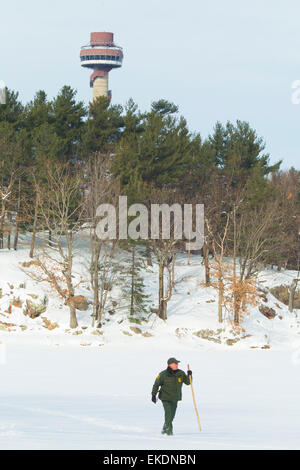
(170, 383)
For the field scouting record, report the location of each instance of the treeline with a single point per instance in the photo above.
(60, 161)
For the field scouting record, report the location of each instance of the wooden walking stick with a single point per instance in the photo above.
(193, 394)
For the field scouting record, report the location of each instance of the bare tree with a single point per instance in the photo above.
(218, 242)
(60, 208)
(100, 188)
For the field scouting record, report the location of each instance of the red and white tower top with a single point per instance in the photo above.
(102, 55)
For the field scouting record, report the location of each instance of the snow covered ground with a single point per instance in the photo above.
(88, 398)
(192, 310)
(62, 389)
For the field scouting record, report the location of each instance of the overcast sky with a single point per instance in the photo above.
(218, 60)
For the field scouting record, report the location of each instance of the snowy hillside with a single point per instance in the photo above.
(91, 389)
(192, 311)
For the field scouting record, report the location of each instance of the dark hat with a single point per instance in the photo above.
(172, 360)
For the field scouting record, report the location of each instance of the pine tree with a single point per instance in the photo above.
(68, 121)
(103, 127)
(156, 149)
(132, 282)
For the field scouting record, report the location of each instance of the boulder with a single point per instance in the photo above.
(282, 293)
(267, 311)
(136, 330)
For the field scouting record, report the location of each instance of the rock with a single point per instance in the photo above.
(181, 332)
(282, 293)
(209, 335)
(97, 332)
(136, 330)
(266, 346)
(126, 333)
(79, 301)
(77, 332)
(267, 311)
(232, 341)
(147, 335)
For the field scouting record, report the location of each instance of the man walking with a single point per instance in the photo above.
(170, 383)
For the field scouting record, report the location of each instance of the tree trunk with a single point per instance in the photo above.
(68, 276)
(221, 296)
(3, 210)
(236, 306)
(173, 270)
(132, 283)
(161, 307)
(163, 310)
(95, 254)
(149, 258)
(16, 238)
(292, 290)
(34, 228)
(17, 218)
(160, 281)
(9, 218)
(73, 318)
(50, 239)
(206, 264)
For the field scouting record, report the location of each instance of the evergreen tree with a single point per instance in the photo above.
(132, 281)
(238, 149)
(103, 127)
(68, 121)
(156, 151)
(11, 112)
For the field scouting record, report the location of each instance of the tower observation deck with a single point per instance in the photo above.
(102, 55)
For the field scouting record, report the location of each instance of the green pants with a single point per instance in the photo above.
(170, 410)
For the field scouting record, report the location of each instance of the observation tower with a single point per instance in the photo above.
(102, 55)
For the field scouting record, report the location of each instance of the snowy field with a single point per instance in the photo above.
(87, 389)
(88, 398)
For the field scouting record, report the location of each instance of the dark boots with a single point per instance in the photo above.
(167, 431)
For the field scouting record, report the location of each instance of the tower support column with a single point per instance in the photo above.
(100, 86)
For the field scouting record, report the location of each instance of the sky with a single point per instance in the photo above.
(216, 60)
